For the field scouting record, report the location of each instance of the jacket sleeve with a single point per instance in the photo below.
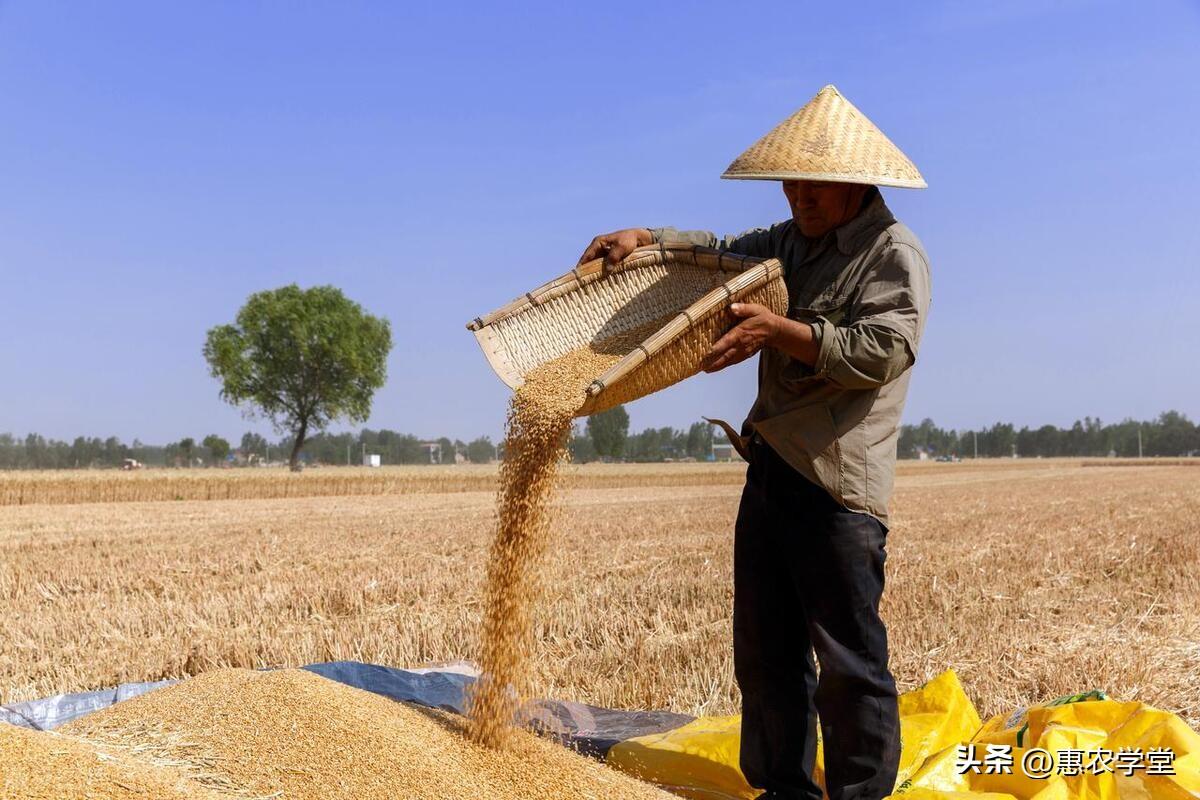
(879, 338)
(756, 242)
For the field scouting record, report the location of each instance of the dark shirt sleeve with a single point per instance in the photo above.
(879, 340)
(756, 242)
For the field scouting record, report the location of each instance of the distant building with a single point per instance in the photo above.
(372, 460)
(725, 451)
(433, 450)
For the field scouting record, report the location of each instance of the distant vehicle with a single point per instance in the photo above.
(131, 464)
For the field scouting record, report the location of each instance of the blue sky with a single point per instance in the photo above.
(160, 162)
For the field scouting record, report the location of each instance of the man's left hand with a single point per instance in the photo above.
(757, 330)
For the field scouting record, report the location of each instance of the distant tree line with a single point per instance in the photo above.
(37, 452)
(602, 437)
(392, 447)
(1170, 434)
(605, 436)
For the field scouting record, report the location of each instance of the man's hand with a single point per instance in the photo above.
(758, 329)
(616, 245)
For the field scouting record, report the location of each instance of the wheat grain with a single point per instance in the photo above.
(539, 420)
(38, 765)
(294, 734)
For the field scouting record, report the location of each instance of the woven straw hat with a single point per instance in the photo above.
(657, 314)
(827, 140)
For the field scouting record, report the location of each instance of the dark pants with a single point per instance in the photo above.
(808, 575)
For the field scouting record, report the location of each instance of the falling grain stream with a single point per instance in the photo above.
(539, 420)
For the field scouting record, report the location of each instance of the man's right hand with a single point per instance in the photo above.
(616, 245)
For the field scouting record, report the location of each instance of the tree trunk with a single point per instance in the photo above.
(294, 460)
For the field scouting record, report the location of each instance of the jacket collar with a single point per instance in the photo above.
(874, 217)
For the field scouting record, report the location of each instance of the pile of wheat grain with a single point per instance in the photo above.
(39, 765)
(294, 734)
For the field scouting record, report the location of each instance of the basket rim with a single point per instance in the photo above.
(596, 269)
(712, 302)
(748, 273)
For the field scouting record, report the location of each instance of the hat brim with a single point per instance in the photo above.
(832, 177)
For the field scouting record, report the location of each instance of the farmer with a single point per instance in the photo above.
(821, 442)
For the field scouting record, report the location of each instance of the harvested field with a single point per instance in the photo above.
(294, 734)
(109, 486)
(1143, 462)
(1030, 578)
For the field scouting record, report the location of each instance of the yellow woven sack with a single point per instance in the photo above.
(700, 760)
(931, 718)
(1090, 725)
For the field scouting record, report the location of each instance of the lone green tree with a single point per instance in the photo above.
(302, 358)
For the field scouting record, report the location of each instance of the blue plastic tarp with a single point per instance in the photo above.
(589, 729)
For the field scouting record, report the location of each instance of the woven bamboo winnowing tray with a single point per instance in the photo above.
(591, 304)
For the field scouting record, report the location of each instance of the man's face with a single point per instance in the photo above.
(818, 206)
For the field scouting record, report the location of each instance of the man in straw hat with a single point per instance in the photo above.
(821, 441)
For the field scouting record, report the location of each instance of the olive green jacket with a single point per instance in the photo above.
(865, 289)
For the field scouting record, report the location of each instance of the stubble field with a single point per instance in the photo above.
(1032, 579)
